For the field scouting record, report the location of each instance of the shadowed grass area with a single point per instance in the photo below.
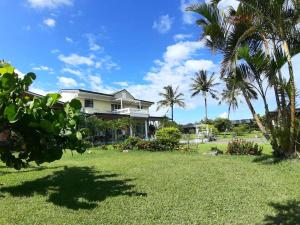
(75, 187)
(285, 213)
(110, 187)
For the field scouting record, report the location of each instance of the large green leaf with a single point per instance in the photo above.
(52, 99)
(8, 80)
(11, 113)
(6, 68)
(79, 135)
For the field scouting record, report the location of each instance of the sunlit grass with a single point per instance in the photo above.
(111, 187)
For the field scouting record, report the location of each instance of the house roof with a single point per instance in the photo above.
(104, 94)
(33, 94)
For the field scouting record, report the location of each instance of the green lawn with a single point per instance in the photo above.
(110, 187)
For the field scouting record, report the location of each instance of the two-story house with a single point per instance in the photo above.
(120, 104)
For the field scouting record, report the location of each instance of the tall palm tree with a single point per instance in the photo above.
(171, 98)
(203, 84)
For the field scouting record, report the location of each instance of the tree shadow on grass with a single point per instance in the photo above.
(75, 188)
(28, 169)
(286, 214)
(267, 160)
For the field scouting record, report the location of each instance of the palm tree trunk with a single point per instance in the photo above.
(205, 101)
(281, 105)
(172, 112)
(256, 117)
(228, 113)
(292, 99)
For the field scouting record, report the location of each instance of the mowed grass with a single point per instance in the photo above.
(111, 187)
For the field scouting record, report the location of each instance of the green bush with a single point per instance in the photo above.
(242, 147)
(241, 129)
(171, 134)
(167, 139)
(131, 143)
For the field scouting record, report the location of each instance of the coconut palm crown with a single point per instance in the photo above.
(204, 84)
(171, 98)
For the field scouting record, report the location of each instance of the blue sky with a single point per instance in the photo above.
(109, 45)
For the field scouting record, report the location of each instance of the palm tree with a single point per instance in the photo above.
(230, 96)
(202, 84)
(170, 99)
(251, 40)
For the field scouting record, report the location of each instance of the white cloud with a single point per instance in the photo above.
(163, 24)
(177, 68)
(181, 51)
(96, 84)
(223, 115)
(66, 82)
(196, 65)
(122, 83)
(70, 40)
(43, 68)
(50, 4)
(225, 4)
(55, 51)
(92, 43)
(76, 60)
(49, 22)
(71, 71)
(106, 63)
(181, 37)
(187, 17)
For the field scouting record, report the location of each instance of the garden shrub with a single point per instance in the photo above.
(167, 139)
(145, 145)
(131, 143)
(242, 147)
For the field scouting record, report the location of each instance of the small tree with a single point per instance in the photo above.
(31, 129)
(222, 124)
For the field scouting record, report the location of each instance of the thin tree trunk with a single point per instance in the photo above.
(228, 113)
(172, 113)
(205, 100)
(292, 98)
(256, 117)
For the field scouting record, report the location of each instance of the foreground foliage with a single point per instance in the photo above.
(110, 187)
(32, 129)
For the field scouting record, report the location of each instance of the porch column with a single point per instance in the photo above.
(130, 131)
(146, 129)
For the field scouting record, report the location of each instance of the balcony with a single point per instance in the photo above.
(133, 112)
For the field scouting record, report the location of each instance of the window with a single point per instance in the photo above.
(88, 103)
(115, 107)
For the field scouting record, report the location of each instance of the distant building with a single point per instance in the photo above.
(243, 121)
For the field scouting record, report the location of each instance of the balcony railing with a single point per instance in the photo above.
(132, 112)
(125, 111)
